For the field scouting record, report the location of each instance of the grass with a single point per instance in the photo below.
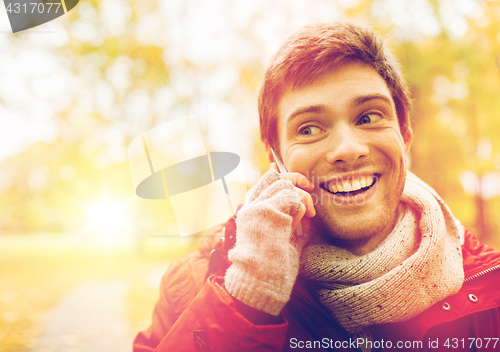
(34, 279)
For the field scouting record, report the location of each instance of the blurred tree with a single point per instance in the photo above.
(115, 68)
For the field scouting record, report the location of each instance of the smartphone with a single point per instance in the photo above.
(283, 169)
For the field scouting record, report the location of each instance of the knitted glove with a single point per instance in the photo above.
(265, 259)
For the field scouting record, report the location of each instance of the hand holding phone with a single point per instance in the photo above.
(309, 210)
(266, 256)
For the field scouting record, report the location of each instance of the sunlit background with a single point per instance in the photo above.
(76, 91)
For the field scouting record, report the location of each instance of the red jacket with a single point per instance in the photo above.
(196, 314)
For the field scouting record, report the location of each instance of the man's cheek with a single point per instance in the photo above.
(393, 147)
(300, 161)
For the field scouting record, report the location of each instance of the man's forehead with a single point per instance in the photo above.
(351, 84)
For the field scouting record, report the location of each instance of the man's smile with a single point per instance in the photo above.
(350, 186)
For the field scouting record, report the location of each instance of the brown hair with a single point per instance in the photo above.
(316, 50)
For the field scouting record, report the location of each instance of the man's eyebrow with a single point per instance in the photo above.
(319, 109)
(312, 109)
(364, 98)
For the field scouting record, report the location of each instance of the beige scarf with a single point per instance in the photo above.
(417, 265)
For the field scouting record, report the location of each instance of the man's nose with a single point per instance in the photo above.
(346, 146)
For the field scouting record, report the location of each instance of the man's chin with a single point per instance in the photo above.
(353, 230)
(343, 234)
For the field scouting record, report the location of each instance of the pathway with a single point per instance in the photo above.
(92, 318)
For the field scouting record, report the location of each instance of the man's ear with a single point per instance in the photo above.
(408, 139)
(269, 153)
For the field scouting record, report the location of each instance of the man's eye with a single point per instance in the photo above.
(309, 130)
(369, 118)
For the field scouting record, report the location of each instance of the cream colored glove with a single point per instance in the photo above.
(265, 259)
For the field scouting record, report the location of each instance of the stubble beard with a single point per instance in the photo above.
(360, 228)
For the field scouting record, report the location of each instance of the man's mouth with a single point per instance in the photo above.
(350, 186)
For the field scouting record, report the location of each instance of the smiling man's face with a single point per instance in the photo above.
(342, 132)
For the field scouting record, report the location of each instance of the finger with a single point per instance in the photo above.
(298, 180)
(306, 224)
(274, 167)
(300, 214)
(306, 199)
(299, 241)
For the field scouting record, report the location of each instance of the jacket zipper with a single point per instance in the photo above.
(475, 276)
(305, 300)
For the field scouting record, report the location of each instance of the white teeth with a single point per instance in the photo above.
(347, 186)
(351, 185)
(333, 188)
(362, 182)
(369, 180)
(356, 185)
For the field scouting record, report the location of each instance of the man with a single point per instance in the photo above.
(381, 263)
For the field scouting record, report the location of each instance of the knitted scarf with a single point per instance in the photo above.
(416, 266)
